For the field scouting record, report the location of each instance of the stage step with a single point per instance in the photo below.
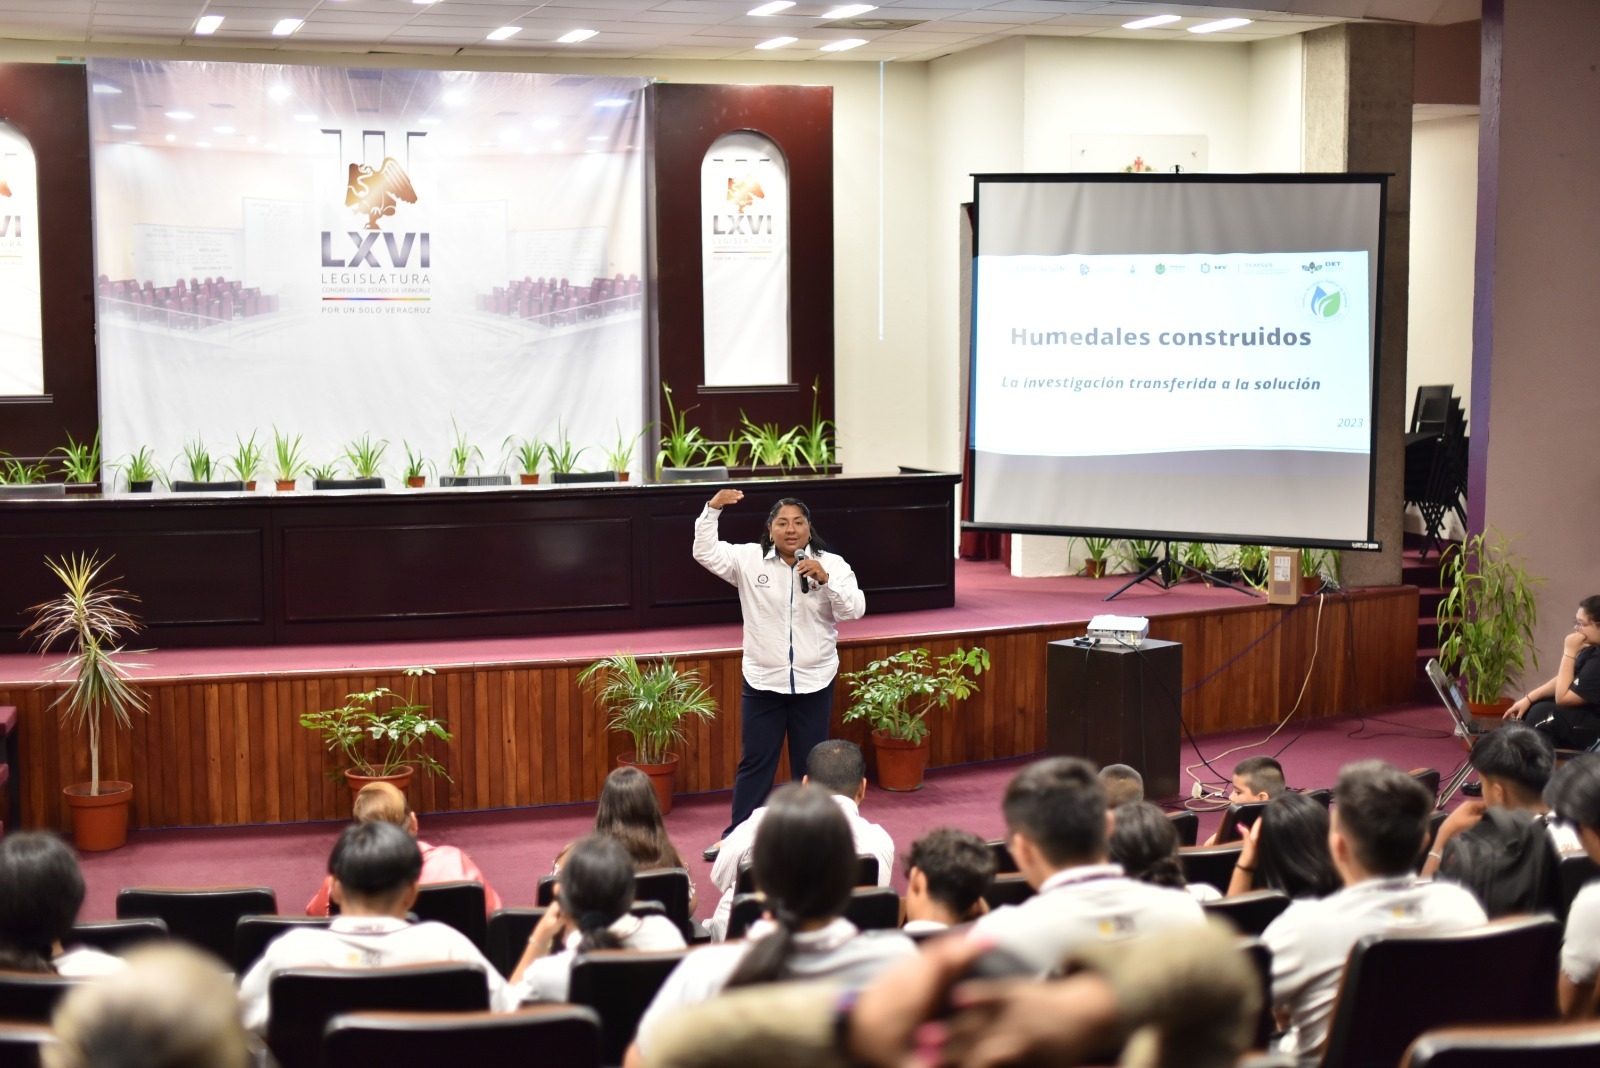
(1423, 572)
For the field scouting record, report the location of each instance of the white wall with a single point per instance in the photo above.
(1277, 80)
(1444, 191)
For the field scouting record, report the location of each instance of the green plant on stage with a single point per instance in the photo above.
(380, 732)
(248, 458)
(1095, 551)
(648, 704)
(525, 453)
(463, 454)
(197, 458)
(416, 465)
(729, 454)
(1251, 560)
(324, 472)
(769, 447)
(1198, 555)
(80, 460)
(896, 694)
(682, 445)
(563, 455)
(288, 462)
(814, 442)
(364, 457)
(1487, 620)
(619, 457)
(17, 473)
(1322, 564)
(1137, 554)
(141, 466)
(91, 621)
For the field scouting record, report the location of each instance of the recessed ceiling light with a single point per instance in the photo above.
(1152, 21)
(208, 24)
(455, 97)
(849, 11)
(222, 129)
(771, 9)
(122, 126)
(575, 36)
(613, 102)
(286, 26)
(777, 42)
(279, 92)
(102, 87)
(181, 116)
(305, 118)
(171, 138)
(845, 45)
(503, 32)
(1220, 24)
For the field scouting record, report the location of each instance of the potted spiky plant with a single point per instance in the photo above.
(247, 460)
(896, 694)
(527, 454)
(90, 620)
(683, 447)
(203, 472)
(288, 462)
(416, 468)
(1095, 551)
(80, 463)
(141, 470)
(649, 705)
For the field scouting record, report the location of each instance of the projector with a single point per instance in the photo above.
(1125, 630)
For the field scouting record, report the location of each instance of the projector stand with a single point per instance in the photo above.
(1158, 572)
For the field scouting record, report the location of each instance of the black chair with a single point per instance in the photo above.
(1261, 959)
(202, 916)
(619, 985)
(1245, 814)
(252, 935)
(866, 874)
(302, 1001)
(1188, 825)
(1210, 864)
(1575, 871)
(118, 936)
(508, 934)
(8, 760)
(20, 1044)
(874, 908)
(1430, 408)
(1522, 1046)
(1322, 796)
(1003, 860)
(1007, 890)
(547, 889)
(1249, 913)
(566, 1035)
(458, 904)
(747, 909)
(1396, 986)
(1428, 779)
(31, 997)
(670, 886)
(1435, 821)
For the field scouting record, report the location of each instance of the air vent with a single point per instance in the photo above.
(880, 25)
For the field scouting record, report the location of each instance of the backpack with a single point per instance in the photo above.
(1508, 861)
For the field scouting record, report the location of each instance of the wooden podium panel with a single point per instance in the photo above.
(1115, 704)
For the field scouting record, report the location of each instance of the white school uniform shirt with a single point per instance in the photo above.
(790, 637)
(365, 942)
(1580, 948)
(869, 838)
(838, 953)
(85, 962)
(1084, 906)
(550, 977)
(1312, 939)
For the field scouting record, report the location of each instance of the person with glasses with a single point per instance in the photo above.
(1567, 708)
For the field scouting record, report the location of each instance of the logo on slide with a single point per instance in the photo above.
(374, 193)
(1326, 302)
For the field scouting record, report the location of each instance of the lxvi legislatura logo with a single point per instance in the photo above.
(374, 276)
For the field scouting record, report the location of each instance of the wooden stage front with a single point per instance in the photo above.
(222, 746)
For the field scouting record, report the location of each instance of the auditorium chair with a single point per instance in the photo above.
(455, 904)
(866, 874)
(8, 764)
(1512, 1046)
(1249, 913)
(619, 984)
(1397, 986)
(203, 916)
(118, 936)
(252, 935)
(31, 997)
(1009, 889)
(1260, 958)
(20, 1044)
(508, 933)
(1210, 864)
(1428, 779)
(670, 886)
(303, 1000)
(746, 910)
(1004, 862)
(1243, 814)
(1188, 825)
(1575, 871)
(1435, 821)
(874, 908)
(565, 1035)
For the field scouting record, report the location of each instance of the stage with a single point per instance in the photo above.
(222, 745)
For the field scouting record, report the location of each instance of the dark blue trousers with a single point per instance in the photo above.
(765, 718)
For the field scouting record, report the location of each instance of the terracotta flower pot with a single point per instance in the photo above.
(417, 481)
(662, 777)
(622, 476)
(530, 480)
(1310, 584)
(285, 485)
(1094, 568)
(250, 486)
(900, 763)
(401, 779)
(99, 821)
(1494, 709)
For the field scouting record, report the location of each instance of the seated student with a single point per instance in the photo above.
(1056, 815)
(1146, 844)
(1574, 793)
(947, 874)
(375, 870)
(1257, 778)
(1567, 708)
(41, 890)
(1123, 785)
(630, 813)
(440, 863)
(838, 767)
(1287, 850)
(805, 864)
(1504, 847)
(1378, 828)
(590, 912)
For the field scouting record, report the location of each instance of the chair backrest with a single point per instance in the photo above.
(670, 886)
(1249, 913)
(1003, 860)
(117, 936)
(1428, 779)
(1435, 821)
(566, 1035)
(20, 1044)
(1430, 409)
(866, 874)
(547, 889)
(252, 935)
(874, 908)
(508, 934)
(1575, 871)
(203, 916)
(619, 984)
(746, 910)
(1210, 864)
(1010, 889)
(1517, 1046)
(1261, 960)
(1188, 825)
(458, 904)
(31, 997)
(301, 1001)
(1244, 814)
(1397, 986)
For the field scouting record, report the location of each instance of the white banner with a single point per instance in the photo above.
(21, 333)
(744, 252)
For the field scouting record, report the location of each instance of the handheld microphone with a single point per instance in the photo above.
(803, 553)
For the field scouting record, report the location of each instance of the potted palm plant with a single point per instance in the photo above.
(1487, 619)
(564, 455)
(80, 463)
(619, 457)
(247, 460)
(141, 470)
(1251, 563)
(288, 463)
(90, 621)
(1316, 567)
(464, 455)
(203, 472)
(896, 694)
(527, 453)
(377, 736)
(683, 448)
(416, 468)
(769, 447)
(649, 705)
(1095, 551)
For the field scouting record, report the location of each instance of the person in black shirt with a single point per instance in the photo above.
(1567, 708)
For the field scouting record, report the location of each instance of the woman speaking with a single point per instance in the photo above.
(792, 592)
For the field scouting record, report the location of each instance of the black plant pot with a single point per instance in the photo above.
(347, 483)
(141, 486)
(447, 481)
(694, 474)
(559, 477)
(180, 486)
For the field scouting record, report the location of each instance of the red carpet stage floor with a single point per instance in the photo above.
(514, 847)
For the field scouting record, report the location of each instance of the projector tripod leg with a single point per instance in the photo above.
(1154, 573)
(1215, 580)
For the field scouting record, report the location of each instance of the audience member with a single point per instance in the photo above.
(805, 863)
(1574, 794)
(630, 812)
(440, 863)
(1504, 847)
(1056, 815)
(41, 890)
(375, 869)
(1286, 850)
(1567, 708)
(1378, 829)
(1123, 785)
(838, 767)
(1257, 778)
(947, 874)
(172, 1007)
(1146, 844)
(590, 912)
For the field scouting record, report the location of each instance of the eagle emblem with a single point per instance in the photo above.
(744, 191)
(374, 193)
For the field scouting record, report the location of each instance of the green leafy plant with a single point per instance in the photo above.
(1320, 563)
(527, 453)
(1198, 555)
(364, 457)
(814, 442)
(198, 460)
(463, 454)
(17, 473)
(90, 620)
(1095, 551)
(288, 463)
(80, 460)
(682, 445)
(895, 694)
(1251, 561)
(1137, 554)
(247, 459)
(141, 466)
(379, 732)
(619, 457)
(728, 453)
(324, 472)
(648, 704)
(769, 446)
(416, 464)
(1487, 620)
(563, 456)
